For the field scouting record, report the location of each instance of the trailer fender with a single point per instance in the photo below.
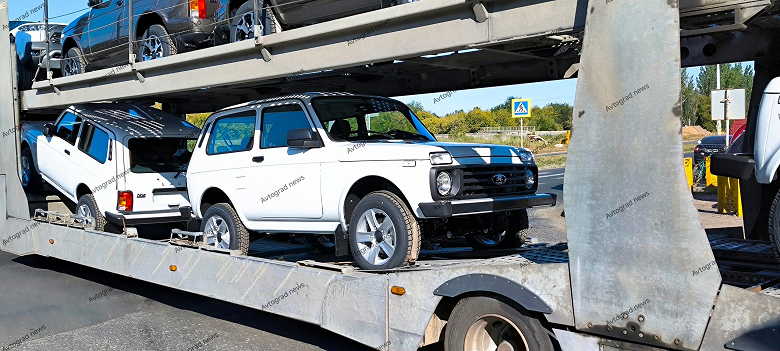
(494, 284)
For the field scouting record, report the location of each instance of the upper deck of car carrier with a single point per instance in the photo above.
(413, 48)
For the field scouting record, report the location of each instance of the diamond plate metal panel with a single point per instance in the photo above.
(634, 234)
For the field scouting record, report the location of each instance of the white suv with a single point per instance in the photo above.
(361, 167)
(122, 164)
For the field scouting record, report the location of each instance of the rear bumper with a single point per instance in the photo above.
(151, 217)
(443, 209)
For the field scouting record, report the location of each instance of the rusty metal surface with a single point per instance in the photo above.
(636, 245)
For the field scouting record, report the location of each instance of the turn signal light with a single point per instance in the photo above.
(397, 290)
(198, 8)
(124, 201)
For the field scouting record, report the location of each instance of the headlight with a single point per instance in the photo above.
(526, 157)
(444, 183)
(529, 179)
(441, 158)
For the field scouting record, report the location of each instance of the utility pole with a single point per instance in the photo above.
(726, 101)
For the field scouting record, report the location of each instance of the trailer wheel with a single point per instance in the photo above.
(383, 233)
(774, 224)
(31, 180)
(223, 229)
(87, 207)
(484, 323)
(513, 237)
(156, 44)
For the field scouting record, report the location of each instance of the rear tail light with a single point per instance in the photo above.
(124, 201)
(696, 149)
(198, 8)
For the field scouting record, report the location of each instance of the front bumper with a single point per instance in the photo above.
(443, 209)
(740, 166)
(152, 217)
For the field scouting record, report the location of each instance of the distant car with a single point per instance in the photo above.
(120, 163)
(236, 16)
(30, 39)
(99, 38)
(708, 146)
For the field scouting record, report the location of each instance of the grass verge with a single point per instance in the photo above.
(547, 162)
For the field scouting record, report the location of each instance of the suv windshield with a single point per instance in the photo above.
(363, 118)
(159, 155)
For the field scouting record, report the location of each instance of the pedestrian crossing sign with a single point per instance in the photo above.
(521, 108)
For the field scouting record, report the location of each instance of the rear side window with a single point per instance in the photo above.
(277, 121)
(159, 155)
(68, 128)
(232, 133)
(94, 142)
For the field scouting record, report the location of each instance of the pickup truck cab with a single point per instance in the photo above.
(361, 167)
(122, 164)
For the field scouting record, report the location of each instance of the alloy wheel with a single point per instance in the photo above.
(217, 232)
(376, 236)
(152, 48)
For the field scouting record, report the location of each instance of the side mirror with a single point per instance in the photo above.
(302, 138)
(93, 3)
(48, 129)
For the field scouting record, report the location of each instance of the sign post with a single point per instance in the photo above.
(728, 104)
(521, 108)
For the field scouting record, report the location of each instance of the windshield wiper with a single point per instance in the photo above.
(181, 169)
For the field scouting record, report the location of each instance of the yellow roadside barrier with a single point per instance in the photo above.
(729, 198)
(688, 162)
(710, 178)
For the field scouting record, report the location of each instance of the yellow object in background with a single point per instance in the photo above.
(688, 162)
(567, 138)
(729, 198)
(709, 177)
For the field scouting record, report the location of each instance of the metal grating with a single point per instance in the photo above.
(478, 181)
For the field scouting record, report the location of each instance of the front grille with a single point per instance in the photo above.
(478, 182)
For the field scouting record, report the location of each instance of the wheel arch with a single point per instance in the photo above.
(471, 284)
(81, 190)
(147, 20)
(68, 44)
(362, 187)
(211, 197)
(486, 285)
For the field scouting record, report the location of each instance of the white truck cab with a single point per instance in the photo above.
(759, 166)
(122, 164)
(362, 167)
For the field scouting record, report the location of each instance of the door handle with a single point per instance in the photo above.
(67, 152)
(258, 159)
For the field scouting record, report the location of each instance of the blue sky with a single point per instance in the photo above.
(540, 93)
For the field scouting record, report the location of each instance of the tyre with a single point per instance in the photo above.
(223, 229)
(383, 233)
(87, 207)
(155, 44)
(774, 224)
(484, 323)
(31, 180)
(74, 62)
(513, 237)
(241, 25)
(324, 243)
(25, 77)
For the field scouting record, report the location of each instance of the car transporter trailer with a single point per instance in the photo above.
(639, 271)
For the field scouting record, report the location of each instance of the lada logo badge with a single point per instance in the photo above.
(499, 179)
